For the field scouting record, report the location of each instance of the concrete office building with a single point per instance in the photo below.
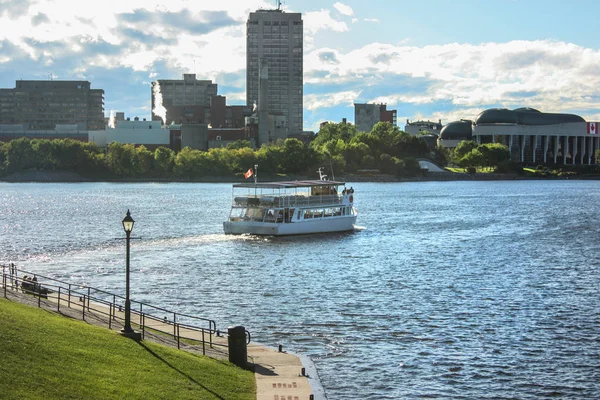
(367, 115)
(275, 40)
(185, 100)
(193, 101)
(44, 105)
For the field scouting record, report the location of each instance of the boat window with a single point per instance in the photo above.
(328, 212)
(254, 214)
(271, 215)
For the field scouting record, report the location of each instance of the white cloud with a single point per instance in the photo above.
(327, 100)
(544, 74)
(315, 21)
(209, 39)
(344, 9)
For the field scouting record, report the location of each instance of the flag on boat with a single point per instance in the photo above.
(248, 173)
(592, 128)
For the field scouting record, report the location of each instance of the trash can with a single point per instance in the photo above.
(238, 352)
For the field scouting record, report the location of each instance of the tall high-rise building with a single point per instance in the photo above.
(274, 39)
(42, 105)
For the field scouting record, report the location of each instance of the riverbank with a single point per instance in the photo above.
(73, 177)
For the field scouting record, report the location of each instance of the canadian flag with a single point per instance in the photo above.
(592, 128)
(248, 173)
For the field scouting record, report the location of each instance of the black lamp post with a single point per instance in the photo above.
(128, 226)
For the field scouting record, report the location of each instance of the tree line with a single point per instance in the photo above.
(340, 147)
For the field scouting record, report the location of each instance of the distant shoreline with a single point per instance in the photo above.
(73, 177)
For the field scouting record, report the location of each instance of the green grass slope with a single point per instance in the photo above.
(48, 356)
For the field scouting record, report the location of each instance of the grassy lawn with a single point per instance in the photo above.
(456, 169)
(48, 356)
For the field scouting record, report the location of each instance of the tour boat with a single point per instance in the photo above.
(291, 208)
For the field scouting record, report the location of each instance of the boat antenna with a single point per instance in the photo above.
(255, 173)
(332, 174)
(322, 177)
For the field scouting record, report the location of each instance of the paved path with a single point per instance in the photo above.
(278, 374)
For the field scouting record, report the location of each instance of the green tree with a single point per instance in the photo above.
(296, 156)
(332, 131)
(42, 149)
(121, 159)
(190, 163)
(270, 157)
(355, 155)
(3, 163)
(143, 161)
(462, 149)
(20, 155)
(473, 159)
(164, 160)
(239, 144)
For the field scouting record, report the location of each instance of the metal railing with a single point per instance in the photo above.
(287, 201)
(182, 330)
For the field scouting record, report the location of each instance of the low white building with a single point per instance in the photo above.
(148, 133)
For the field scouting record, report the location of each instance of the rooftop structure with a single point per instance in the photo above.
(418, 127)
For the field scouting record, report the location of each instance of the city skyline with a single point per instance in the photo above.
(428, 61)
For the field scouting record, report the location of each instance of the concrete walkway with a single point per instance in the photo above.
(279, 375)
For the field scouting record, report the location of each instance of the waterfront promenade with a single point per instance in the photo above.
(279, 375)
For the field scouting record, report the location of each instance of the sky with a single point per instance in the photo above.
(428, 59)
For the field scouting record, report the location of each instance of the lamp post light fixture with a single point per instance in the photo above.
(128, 227)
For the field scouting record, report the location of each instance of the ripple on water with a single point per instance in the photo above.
(457, 290)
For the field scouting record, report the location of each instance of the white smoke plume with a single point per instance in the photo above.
(254, 107)
(111, 120)
(158, 109)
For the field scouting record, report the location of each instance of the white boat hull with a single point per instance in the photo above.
(335, 224)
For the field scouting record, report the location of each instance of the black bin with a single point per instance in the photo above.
(238, 351)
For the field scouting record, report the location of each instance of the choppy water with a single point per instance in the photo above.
(448, 289)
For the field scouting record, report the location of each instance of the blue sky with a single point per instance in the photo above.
(428, 60)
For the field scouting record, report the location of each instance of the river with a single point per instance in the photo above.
(487, 289)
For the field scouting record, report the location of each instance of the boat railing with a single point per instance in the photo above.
(287, 201)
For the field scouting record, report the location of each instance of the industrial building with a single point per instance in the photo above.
(366, 115)
(274, 58)
(45, 105)
(533, 137)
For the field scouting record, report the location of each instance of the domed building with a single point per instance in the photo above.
(535, 137)
(455, 132)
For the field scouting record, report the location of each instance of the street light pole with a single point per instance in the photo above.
(128, 227)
